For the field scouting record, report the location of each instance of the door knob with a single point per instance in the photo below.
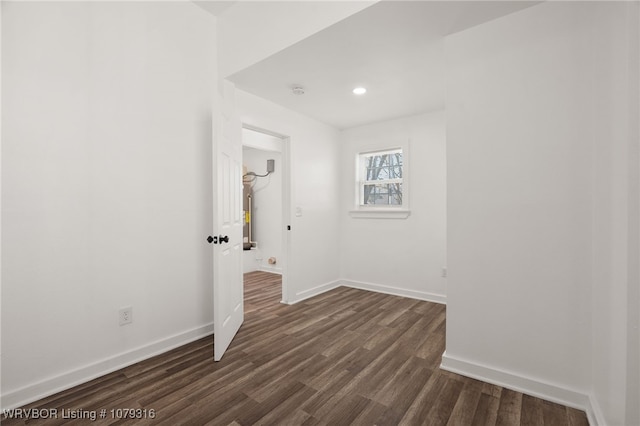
(224, 239)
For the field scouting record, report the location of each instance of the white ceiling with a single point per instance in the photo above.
(393, 48)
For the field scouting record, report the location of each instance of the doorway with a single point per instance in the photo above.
(265, 203)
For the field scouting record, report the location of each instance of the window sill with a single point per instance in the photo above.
(380, 214)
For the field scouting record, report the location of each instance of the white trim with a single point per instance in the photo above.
(287, 206)
(396, 291)
(382, 147)
(374, 213)
(270, 269)
(594, 412)
(362, 175)
(536, 388)
(379, 152)
(540, 389)
(315, 291)
(69, 379)
(287, 189)
(378, 288)
(262, 130)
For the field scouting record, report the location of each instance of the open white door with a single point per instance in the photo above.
(228, 298)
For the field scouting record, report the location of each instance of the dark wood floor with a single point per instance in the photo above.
(345, 357)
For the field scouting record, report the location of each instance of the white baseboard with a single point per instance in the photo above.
(67, 380)
(272, 269)
(306, 294)
(594, 412)
(539, 389)
(547, 391)
(396, 291)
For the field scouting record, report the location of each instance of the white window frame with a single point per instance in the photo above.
(381, 211)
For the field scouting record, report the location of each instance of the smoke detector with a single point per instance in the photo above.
(297, 90)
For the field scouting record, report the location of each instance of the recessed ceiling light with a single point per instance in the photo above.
(359, 90)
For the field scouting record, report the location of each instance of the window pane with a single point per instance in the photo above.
(381, 178)
(383, 167)
(383, 194)
(395, 194)
(395, 172)
(384, 173)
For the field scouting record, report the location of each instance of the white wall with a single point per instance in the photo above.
(267, 208)
(106, 196)
(400, 256)
(615, 216)
(536, 300)
(1, 185)
(313, 261)
(633, 295)
(251, 31)
(519, 175)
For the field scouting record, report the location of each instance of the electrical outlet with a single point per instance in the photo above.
(125, 315)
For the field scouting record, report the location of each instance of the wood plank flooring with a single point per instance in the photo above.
(346, 357)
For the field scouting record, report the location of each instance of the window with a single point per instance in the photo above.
(381, 181)
(381, 178)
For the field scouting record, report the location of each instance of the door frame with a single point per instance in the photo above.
(286, 204)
